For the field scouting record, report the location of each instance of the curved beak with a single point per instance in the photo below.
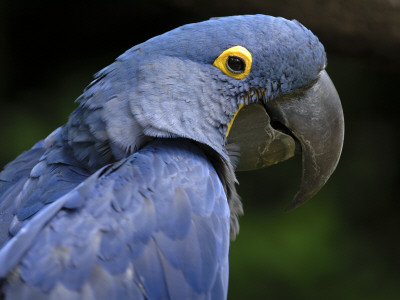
(310, 122)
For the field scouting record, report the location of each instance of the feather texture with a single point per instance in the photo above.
(155, 226)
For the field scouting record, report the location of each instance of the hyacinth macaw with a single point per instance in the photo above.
(134, 197)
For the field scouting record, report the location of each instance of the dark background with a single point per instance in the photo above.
(344, 243)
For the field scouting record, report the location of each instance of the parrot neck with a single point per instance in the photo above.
(226, 173)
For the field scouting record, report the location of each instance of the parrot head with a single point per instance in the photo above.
(255, 81)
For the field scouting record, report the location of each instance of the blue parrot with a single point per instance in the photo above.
(134, 197)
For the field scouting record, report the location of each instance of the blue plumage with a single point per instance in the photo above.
(143, 243)
(134, 197)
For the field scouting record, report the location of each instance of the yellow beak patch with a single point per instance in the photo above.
(233, 119)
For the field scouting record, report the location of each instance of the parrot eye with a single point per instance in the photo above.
(234, 62)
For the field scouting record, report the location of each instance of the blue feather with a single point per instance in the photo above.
(160, 241)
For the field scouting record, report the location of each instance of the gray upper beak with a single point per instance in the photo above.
(315, 120)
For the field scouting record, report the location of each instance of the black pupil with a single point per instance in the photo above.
(236, 64)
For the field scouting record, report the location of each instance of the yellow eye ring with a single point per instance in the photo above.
(235, 62)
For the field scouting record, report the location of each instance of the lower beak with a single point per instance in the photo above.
(310, 122)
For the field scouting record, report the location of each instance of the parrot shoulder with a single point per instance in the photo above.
(152, 225)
